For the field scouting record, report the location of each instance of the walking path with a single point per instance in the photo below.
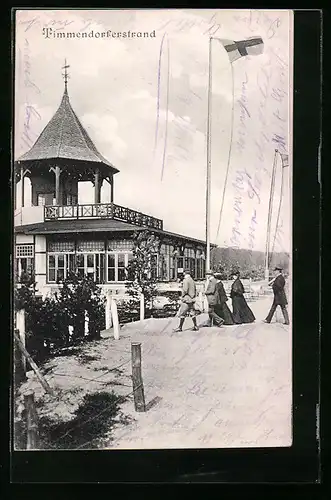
(218, 387)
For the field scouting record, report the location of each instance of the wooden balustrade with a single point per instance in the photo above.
(100, 211)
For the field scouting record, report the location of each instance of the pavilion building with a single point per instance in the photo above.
(56, 235)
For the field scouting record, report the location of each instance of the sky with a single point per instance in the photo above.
(147, 114)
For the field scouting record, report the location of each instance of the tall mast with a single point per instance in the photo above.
(208, 186)
(272, 190)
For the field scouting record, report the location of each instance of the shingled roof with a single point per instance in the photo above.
(93, 226)
(65, 137)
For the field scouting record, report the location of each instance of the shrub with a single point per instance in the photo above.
(47, 320)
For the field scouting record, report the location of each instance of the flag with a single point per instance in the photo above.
(284, 160)
(250, 47)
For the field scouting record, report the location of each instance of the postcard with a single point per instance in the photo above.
(152, 229)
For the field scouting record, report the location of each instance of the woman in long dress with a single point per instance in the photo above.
(222, 308)
(241, 311)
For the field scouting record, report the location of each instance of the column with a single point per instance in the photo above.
(40, 263)
(112, 189)
(57, 184)
(22, 187)
(97, 186)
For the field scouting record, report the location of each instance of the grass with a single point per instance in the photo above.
(95, 417)
(93, 420)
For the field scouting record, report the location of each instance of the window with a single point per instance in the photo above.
(154, 266)
(61, 246)
(121, 267)
(91, 265)
(41, 200)
(24, 265)
(172, 268)
(117, 263)
(164, 267)
(59, 266)
(90, 246)
(72, 199)
(24, 250)
(119, 245)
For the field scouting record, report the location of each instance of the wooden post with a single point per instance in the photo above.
(71, 330)
(22, 186)
(137, 381)
(112, 189)
(20, 325)
(33, 365)
(96, 186)
(114, 314)
(108, 312)
(31, 421)
(86, 323)
(142, 307)
(57, 184)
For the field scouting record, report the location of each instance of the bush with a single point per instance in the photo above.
(47, 320)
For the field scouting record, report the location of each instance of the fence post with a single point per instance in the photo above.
(137, 381)
(108, 312)
(142, 307)
(86, 323)
(114, 314)
(31, 421)
(33, 365)
(20, 325)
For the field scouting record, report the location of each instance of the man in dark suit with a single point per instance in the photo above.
(278, 284)
(213, 299)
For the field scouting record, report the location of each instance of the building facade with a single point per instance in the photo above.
(56, 235)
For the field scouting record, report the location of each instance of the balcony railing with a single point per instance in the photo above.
(101, 211)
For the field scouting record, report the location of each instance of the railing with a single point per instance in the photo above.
(101, 211)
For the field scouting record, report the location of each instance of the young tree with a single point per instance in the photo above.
(142, 268)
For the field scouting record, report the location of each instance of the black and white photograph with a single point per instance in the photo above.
(152, 254)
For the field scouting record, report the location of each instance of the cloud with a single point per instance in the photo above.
(105, 130)
(114, 87)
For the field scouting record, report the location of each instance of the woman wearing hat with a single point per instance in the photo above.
(241, 311)
(213, 300)
(222, 308)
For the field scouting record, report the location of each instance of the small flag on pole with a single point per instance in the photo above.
(250, 47)
(284, 160)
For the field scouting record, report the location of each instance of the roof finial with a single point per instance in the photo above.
(65, 75)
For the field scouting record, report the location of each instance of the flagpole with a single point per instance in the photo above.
(272, 188)
(208, 184)
(279, 207)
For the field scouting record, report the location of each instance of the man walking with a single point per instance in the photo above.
(213, 299)
(278, 285)
(188, 300)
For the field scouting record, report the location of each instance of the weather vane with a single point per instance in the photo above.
(65, 74)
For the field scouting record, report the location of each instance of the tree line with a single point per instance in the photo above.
(251, 263)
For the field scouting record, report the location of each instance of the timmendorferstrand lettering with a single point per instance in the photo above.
(51, 33)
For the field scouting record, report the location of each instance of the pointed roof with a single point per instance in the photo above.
(65, 137)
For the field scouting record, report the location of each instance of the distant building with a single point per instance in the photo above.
(56, 235)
